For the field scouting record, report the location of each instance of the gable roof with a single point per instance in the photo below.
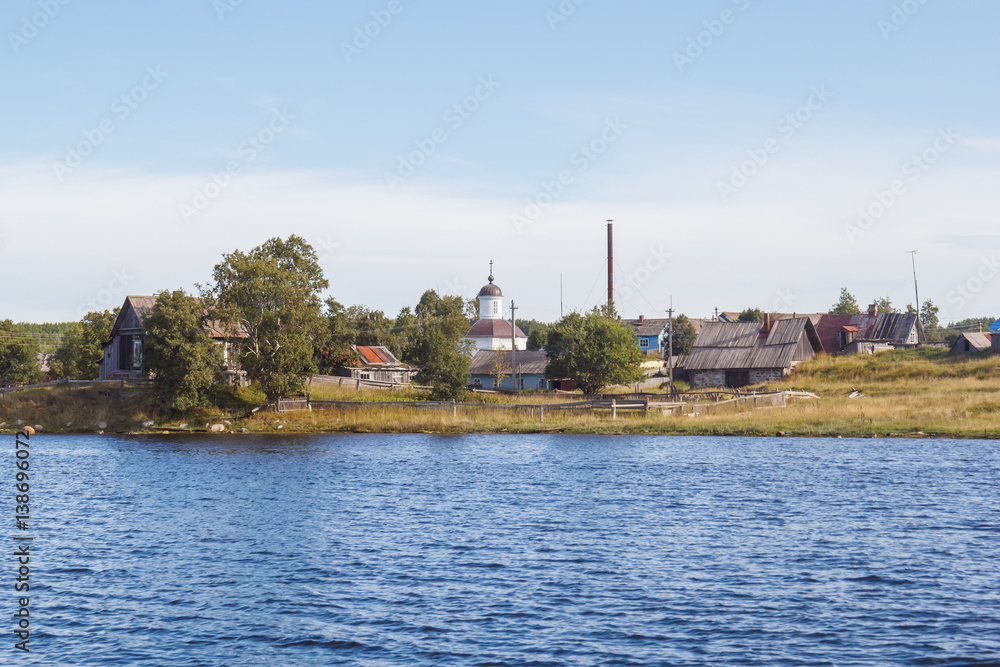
(142, 305)
(531, 362)
(745, 345)
(892, 327)
(980, 342)
(648, 327)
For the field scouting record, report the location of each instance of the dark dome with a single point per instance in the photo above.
(490, 290)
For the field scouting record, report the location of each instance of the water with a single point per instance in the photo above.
(511, 550)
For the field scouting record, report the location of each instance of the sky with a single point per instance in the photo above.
(751, 153)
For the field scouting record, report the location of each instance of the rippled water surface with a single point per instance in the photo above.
(512, 550)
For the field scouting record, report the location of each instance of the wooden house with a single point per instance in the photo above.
(122, 358)
(974, 342)
(377, 364)
(529, 366)
(650, 334)
(736, 354)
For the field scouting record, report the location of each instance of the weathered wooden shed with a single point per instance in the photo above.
(377, 364)
(973, 342)
(736, 354)
(529, 366)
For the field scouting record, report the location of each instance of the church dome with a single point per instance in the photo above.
(490, 290)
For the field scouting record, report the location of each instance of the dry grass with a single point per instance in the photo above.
(921, 392)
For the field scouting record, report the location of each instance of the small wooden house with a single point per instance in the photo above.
(122, 358)
(650, 334)
(377, 364)
(488, 364)
(736, 354)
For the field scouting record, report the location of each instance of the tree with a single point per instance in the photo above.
(684, 335)
(438, 347)
(178, 353)
(884, 305)
(751, 315)
(500, 369)
(847, 305)
(271, 294)
(79, 355)
(18, 356)
(929, 315)
(333, 345)
(537, 337)
(594, 351)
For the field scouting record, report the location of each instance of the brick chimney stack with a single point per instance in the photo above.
(873, 309)
(767, 323)
(642, 318)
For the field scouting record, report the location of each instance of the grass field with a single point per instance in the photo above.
(907, 393)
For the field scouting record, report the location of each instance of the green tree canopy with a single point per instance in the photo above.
(594, 351)
(18, 356)
(80, 353)
(751, 315)
(929, 316)
(272, 294)
(684, 335)
(847, 305)
(437, 344)
(178, 353)
(884, 305)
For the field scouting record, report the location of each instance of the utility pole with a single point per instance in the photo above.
(913, 260)
(670, 345)
(716, 314)
(560, 297)
(513, 348)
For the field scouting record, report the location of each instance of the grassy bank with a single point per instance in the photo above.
(907, 393)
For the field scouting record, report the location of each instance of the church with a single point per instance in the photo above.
(491, 331)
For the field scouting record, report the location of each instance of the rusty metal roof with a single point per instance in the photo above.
(377, 356)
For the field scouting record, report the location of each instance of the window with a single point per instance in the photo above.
(644, 342)
(366, 376)
(496, 307)
(136, 352)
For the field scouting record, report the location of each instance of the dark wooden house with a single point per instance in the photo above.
(122, 359)
(736, 354)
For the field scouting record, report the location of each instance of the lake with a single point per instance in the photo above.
(510, 550)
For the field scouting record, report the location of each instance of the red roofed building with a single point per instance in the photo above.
(378, 364)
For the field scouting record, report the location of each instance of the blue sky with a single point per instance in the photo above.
(733, 143)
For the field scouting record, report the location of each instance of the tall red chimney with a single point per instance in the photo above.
(767, 323)
(611, 265)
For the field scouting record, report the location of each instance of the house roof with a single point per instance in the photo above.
(650, 327)
(893, 327)
(979, 341)
(745, 345)
(376, 355)
(142, 305)
(493, 329)
(531, 362)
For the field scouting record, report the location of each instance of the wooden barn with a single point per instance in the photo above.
(122, 359)
(736, 354)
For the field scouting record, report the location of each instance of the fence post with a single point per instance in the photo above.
(69, 387)
(614, 409)
(541, 411)
(454, 408)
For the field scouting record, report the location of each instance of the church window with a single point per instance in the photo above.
(495, 307)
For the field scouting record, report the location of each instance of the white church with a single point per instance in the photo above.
(491, 331)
